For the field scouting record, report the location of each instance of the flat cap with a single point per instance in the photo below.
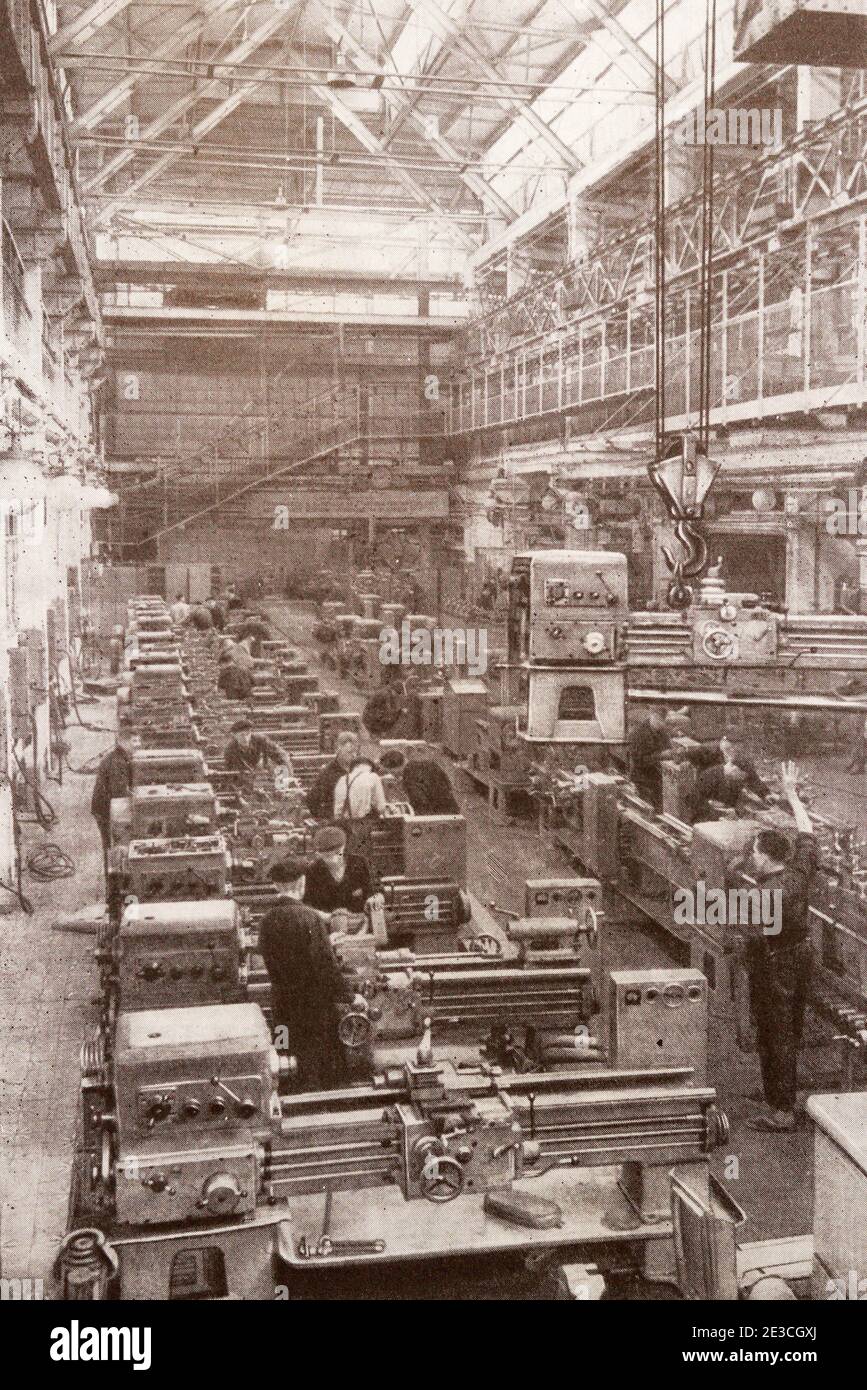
(328, 839)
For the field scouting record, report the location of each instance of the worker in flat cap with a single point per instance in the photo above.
(234, 683)
(336, 879)
(320, 797)
(307, 984)
(246, 750)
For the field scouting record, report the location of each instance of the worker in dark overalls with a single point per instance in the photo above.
(648, 741)
(113, 779)
(779, 956)
(307, 984)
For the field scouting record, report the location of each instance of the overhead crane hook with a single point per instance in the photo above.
(683, 481)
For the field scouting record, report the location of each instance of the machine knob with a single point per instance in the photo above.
(221, 1194)
(192, 1108)
(218, 972)
(152, 970)
(217, 1107)
(594, 643)
(160, 1108)
(195, 971)
(176, 972)
(157, 1182)
(247, 1108)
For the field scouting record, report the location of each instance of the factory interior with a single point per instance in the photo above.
(433, 731)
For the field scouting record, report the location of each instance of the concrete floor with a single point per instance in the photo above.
(47, 983)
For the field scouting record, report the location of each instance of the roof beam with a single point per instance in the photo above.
(440, 325)
(444, 23)
(242, 51)
(85, 25)
(397, 102)
(173, 272)
(374, 145)
(248, 219)
(617, 31)
(112, 98)
(203, 128)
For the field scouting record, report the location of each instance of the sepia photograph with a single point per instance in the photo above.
(433, 670)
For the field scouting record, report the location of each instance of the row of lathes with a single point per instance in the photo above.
(496, 1091)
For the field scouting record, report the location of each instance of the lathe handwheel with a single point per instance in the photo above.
(355, 1030)
(443, 1180)
(718, 1127)
(719, 644)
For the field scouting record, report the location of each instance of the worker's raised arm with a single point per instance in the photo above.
(789, 778)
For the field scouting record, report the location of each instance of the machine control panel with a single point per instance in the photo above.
(188, 867)
(735, 635)
(167, 765)
(197, 1068)
(154, 1187)
(176, 953)
(578, 602)
(178, 809)
(658, 1017)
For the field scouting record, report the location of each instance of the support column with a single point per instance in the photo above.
(801, 560)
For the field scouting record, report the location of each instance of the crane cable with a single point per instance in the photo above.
(659, 233)
(707, 232)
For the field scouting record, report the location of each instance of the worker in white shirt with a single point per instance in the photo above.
(179, 611)
(359, 793)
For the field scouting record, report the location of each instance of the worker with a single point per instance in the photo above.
(779, 962)
(217, 612)
(320, 797)
(115, 649)
(427, 786)
(307, 984)
(723, 779)
(648, 742)
(488, 595)
(179, 611)
(113, 779)
(254, 630)
(386, 706)
(359, 794)
(241, 653)
(336, 878)
(246, 751)
(233, 599)
(200, 618)
(678, 723)
(234, 683)
(725, 754)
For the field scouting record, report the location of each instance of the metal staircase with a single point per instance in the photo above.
(336, 426)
